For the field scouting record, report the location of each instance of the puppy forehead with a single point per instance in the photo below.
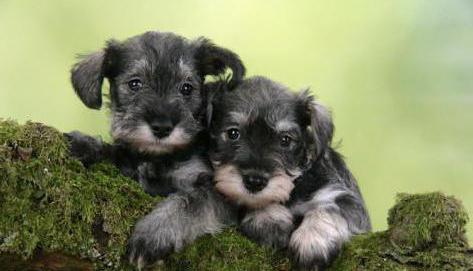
(161, 44)
(279, 117)
(154, 50)
(259, 98)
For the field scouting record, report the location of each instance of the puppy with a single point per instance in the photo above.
(158, 100)
(276, 176)
(273, 158)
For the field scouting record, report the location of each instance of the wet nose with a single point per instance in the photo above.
(254, 182)
(162, 128)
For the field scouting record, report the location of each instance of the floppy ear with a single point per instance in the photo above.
(318, 124)
(87, 77)
(213, 60)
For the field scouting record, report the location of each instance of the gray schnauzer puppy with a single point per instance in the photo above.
(158, 100)
(276, 176)
(273, 158)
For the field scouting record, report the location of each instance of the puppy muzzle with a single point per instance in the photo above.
(161, 128)
(254, 182)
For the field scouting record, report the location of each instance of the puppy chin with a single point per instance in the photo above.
(230, 183)
(143, 140)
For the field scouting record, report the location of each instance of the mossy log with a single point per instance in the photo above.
(57, 215)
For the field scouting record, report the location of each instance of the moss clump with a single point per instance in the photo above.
(426, 232)
(441, 224)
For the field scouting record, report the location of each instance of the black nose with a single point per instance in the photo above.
(161, 129)
(254, 183)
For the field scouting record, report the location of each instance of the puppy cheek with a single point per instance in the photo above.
(189, 128)
(141, 138)
(121, 130)
(229, 182)
(178, 138)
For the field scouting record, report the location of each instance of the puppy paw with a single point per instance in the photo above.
(269, 234)
(318, 239)
(143, 250)
(271, 226)
(84, 148)
(308, 249)
(157, 234)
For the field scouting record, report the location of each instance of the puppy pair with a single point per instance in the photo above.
(158, 100)
(276, 176)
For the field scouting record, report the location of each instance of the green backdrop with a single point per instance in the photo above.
(397, 74)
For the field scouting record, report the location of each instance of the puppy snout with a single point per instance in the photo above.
(254, 182)
(161, 128)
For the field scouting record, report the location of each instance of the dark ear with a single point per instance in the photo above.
(87, 77)
(213, 60)
(318, 124)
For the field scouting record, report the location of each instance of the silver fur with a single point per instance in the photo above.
(175, 222)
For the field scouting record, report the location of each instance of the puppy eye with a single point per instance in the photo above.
(186, 89)
(285, 141)
(233, 134)
(135, 84)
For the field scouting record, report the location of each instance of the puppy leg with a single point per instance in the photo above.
(175, 222)
(326, 225)
(88, 150)
(271, 226)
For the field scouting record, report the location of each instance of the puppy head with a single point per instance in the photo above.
(157, 92)
(265, 137)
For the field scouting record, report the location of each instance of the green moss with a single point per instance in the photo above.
(50, 203)
(426, 232)
(441, 224)
(227, 251)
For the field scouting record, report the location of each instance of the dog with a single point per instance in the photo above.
(273, 157)
(158, 100)
(276, 177)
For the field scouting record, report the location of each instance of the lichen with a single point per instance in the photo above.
(55, 210)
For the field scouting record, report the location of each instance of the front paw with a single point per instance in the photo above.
(271, 234)
(84, 148)
(318, 239)
(144, 250)
(157, 234)
(271, 226)
(308, 249)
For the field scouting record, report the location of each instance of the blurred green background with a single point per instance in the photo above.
(397, 74)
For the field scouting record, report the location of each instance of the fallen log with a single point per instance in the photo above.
(57, 215)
